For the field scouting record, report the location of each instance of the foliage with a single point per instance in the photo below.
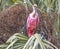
(16, 41)
(47, 6)
(7, 3)
(19, 41)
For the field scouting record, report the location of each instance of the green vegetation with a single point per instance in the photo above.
(19, 41)
(51, 15)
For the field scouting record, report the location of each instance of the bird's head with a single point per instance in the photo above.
(35, 5)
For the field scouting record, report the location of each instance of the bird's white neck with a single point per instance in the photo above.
(34, 13)
(34, 9)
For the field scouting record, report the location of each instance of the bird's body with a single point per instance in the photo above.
(32, 22)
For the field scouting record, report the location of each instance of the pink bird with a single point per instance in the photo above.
(32, 22)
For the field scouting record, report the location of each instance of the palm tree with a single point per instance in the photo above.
(43, 5)
(19, 41)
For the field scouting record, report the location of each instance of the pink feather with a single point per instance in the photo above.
(32, 22)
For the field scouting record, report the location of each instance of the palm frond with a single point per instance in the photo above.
(19, 41)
